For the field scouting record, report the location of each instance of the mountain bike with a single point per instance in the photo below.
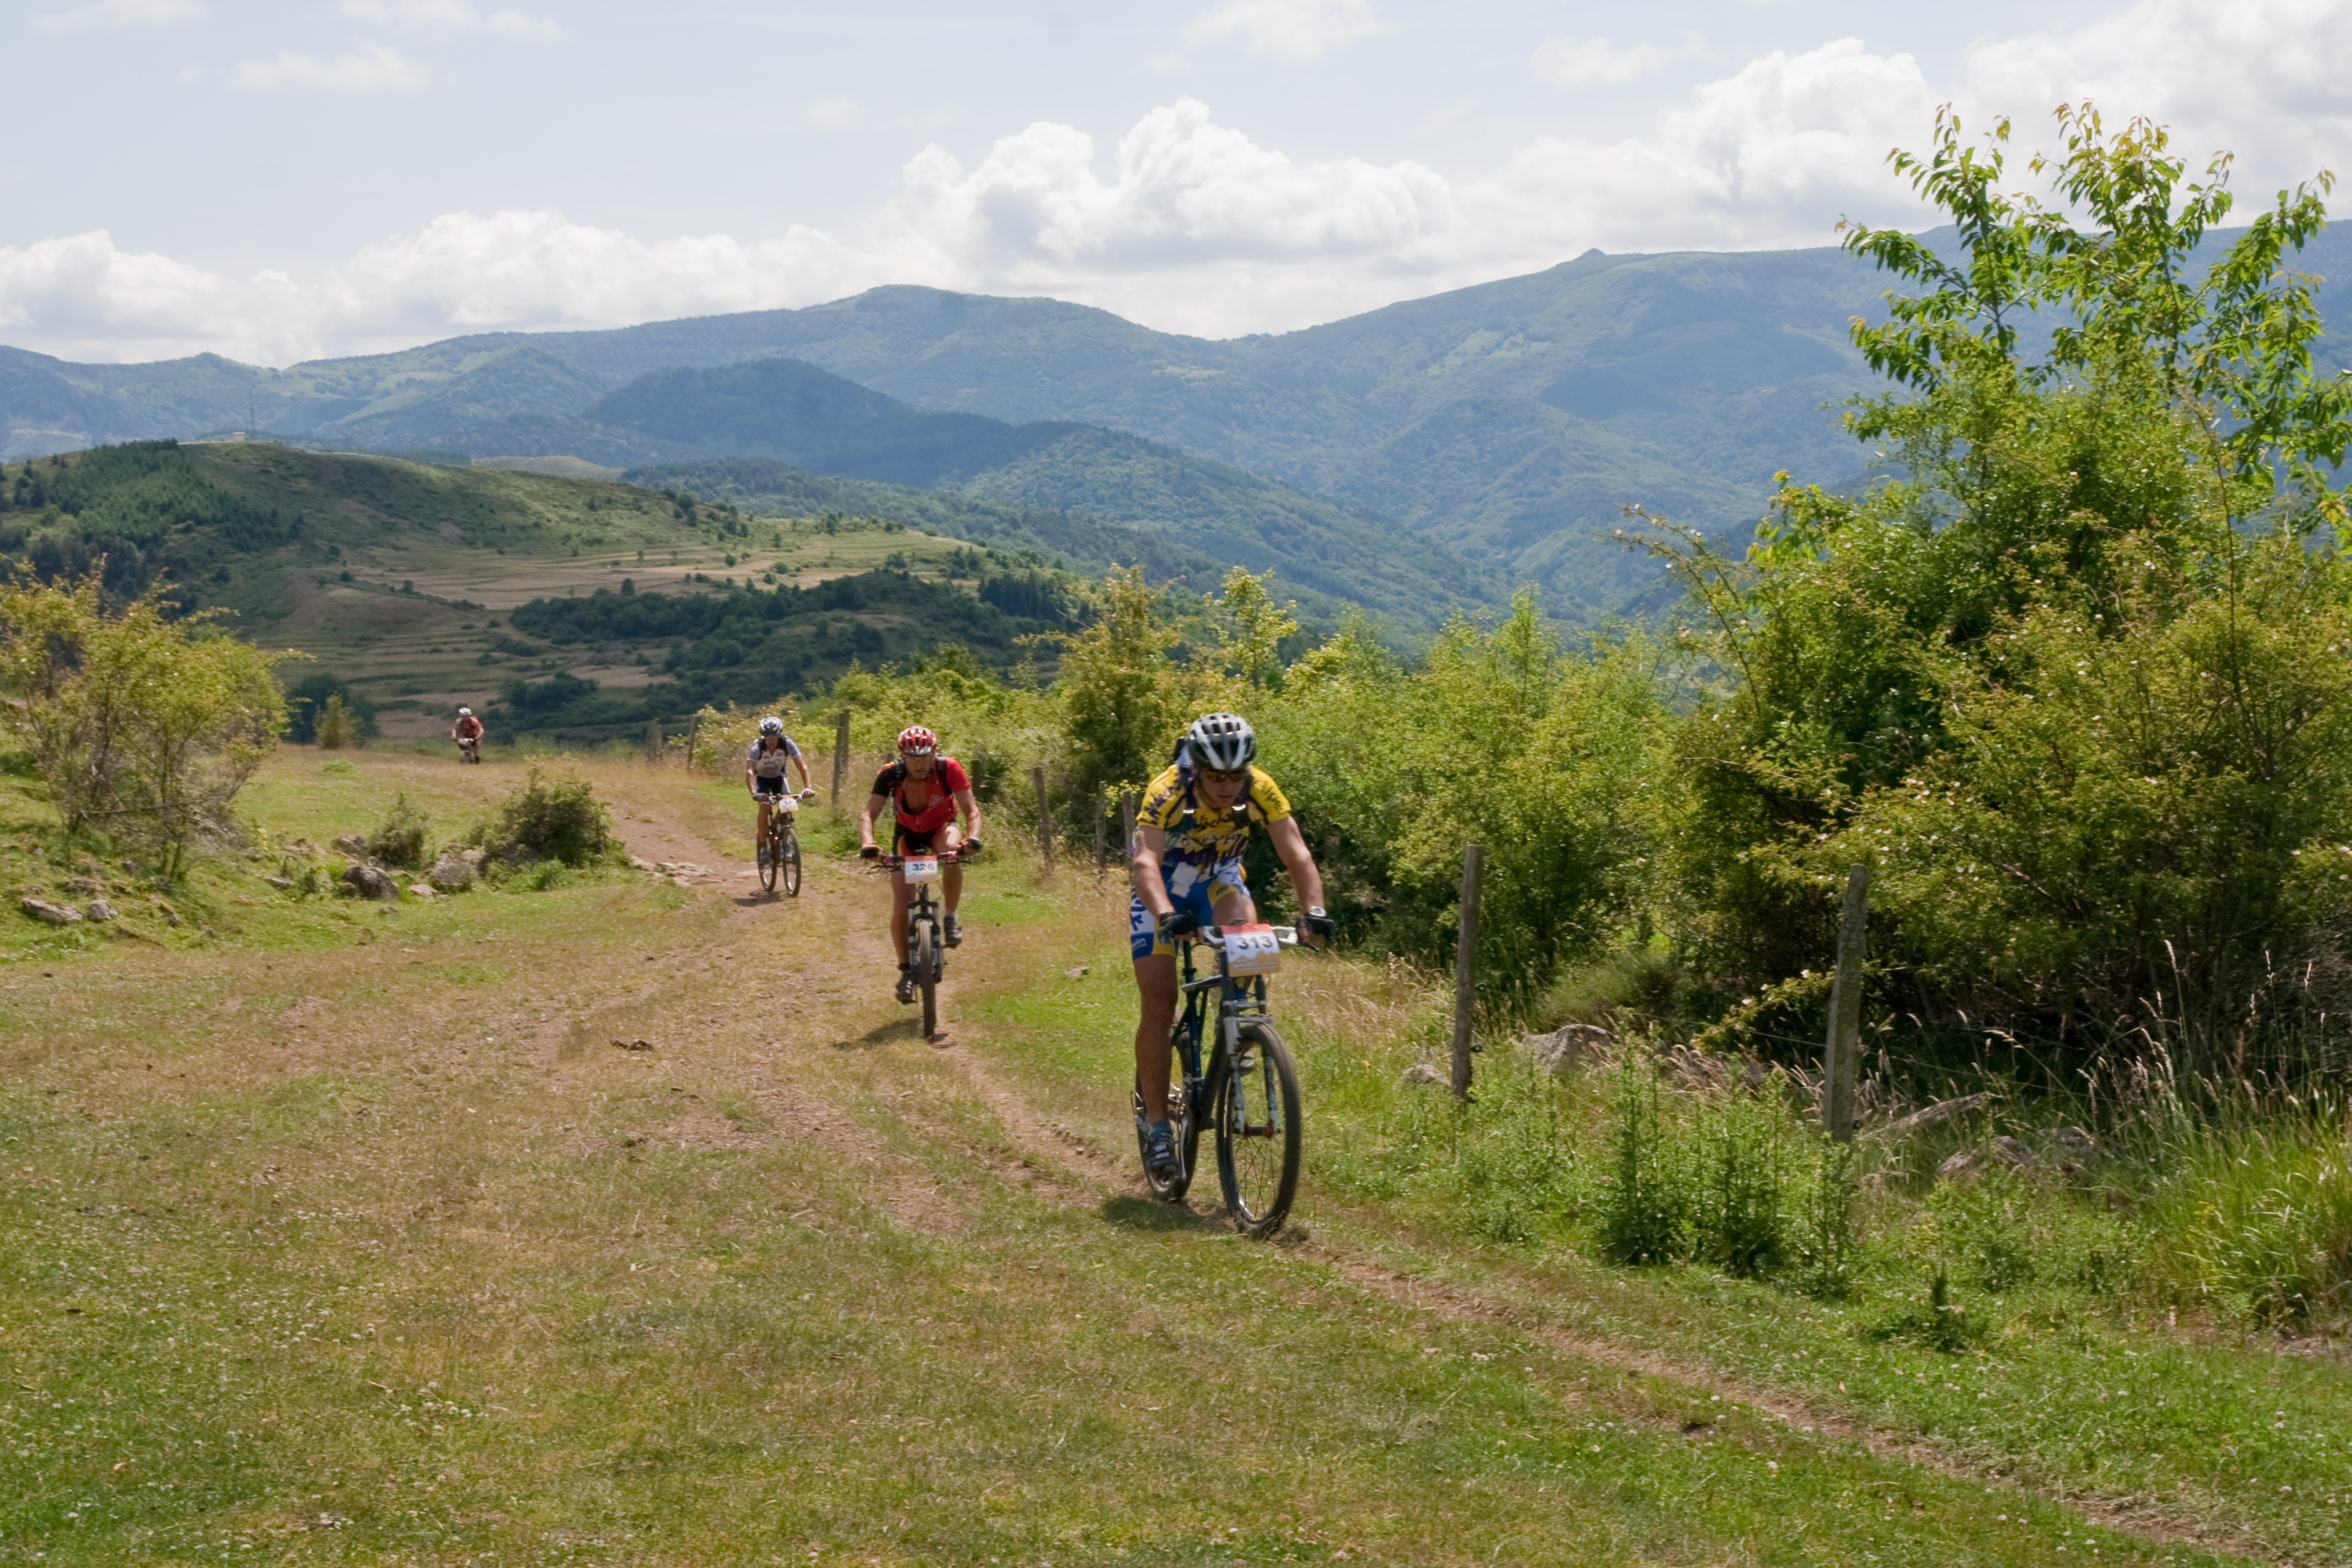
(925, 958)
(782, 861)
(1247, 1096)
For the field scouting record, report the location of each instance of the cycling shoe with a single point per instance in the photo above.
(1159, 1151)
(951, 932)
(906, 987)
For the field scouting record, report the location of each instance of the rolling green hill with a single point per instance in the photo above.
(415, 582)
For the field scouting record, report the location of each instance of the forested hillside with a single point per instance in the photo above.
(792, 411)
(417, 586)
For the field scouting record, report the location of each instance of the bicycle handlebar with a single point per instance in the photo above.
(1214, 936)
(892, 862)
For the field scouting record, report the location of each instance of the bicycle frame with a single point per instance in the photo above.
(1238, 1001)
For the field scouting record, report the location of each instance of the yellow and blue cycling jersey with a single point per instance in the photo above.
(1202, 864)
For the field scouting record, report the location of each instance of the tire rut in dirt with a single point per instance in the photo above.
(1105, 1173)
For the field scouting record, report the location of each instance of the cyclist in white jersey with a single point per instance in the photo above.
(763, 772)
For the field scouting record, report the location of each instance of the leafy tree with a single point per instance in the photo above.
(305, 702)
(1124, 699)
(2061, 675)
(140, 725)
(1258, 626)
(335, 728)
(1553, 757)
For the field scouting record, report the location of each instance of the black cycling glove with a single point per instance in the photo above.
(1177, 923)
(1317, 924)
(870, 852)
(970, 850)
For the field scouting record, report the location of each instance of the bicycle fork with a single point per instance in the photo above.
(1243, 1005)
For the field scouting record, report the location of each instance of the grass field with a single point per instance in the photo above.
(628, 1221)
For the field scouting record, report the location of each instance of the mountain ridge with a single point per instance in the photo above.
(1510, 420)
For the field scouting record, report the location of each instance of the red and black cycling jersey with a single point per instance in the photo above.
(927, 804)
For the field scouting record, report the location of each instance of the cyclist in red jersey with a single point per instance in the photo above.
(925, 793)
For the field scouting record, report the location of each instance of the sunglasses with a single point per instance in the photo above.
(1238, 775)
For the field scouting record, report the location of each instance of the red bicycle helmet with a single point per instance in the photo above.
(916, 739)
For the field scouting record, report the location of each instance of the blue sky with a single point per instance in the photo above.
(278, 181)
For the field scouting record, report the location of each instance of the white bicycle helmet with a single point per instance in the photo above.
(465, 712)
(771, 725)
(1223, 742)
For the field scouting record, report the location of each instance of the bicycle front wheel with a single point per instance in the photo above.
(791, 855)
(926, 975)
(768, 863)
(1254, 1097)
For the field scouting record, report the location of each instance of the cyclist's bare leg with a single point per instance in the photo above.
(761, 835)
(1155, 979)
(900, 897)
(951, 868)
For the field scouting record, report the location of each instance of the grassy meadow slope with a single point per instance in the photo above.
(621, 1218)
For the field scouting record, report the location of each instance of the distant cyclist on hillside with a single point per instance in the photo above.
(1185, 866)
(468, 733)
(926, 792)
(773, 753)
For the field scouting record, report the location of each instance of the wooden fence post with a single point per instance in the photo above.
(1127, 803)
(1044, 818)
(1845, 1046)
(1102, 837)
(1466, 963)
(840, 754)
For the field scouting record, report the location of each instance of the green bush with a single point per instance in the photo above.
(141, 725)
(1828, 1236)
(1643, 1213)
(1738, 1220)
(548, 818)
(400, 839)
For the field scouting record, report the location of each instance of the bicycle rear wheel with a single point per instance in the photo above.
(768, 862)
(927, 974)
(791, 855)
(1254, 1100)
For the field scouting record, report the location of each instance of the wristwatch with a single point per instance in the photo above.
(1314, 912)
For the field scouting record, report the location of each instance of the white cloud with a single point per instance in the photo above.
(833, 113)
(113, 14)
(1185, 189)
(371, 68)
(83, 298)
(2270, 79)
(82, 288)
(1596, 62)
(1290, 30)
(450, 16)
(1191, 226)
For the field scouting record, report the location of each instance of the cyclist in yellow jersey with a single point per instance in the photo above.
(1185, 867)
